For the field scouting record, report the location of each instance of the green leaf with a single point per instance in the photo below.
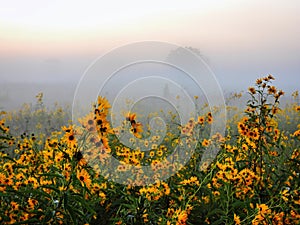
(52, 175)
(9, 158)
(30, 221)
(219, 221)
(216, 212)
(85, 203)
(6, 138)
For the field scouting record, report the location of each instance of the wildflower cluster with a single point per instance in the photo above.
(63, 177)
(47, 183)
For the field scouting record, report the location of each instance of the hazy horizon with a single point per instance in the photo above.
(53, 42)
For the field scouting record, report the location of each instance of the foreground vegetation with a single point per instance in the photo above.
(45, 177)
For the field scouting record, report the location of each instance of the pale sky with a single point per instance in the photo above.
(240, 39)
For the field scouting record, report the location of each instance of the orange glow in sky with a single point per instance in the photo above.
(81, 26)
(238, 38)
(35, 26)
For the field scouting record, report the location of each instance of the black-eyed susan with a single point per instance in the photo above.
(69, 136)
(245, 147)
(84, 178)
(136, 129)
(104, 129)
(8, 181)
(209, 118)
(205, 143)
(263, 209)
(182, 216)
(270, 77)
(259, 81)
(253, 133)
(280, 93)
(121, 168)
(131, 117)
(272, 90)
(241, 127)
(88, 122)
(67, 129)
(159, 152)
(154, 146)
(14, 206)
(103, 104)
(146, 143)
(201, 120)
(152, 153)
(252, 90)
(59, 157)
(204, 166)
(32, 203)
(266, 79)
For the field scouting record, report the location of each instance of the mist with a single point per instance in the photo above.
(40, 52)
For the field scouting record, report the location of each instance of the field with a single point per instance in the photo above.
(55, 172)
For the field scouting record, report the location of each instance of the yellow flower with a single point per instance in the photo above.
(270, 77)
(209, 118)
(296, 133)
(207, 221)
(152, 153)
(159, 153)
(216, 193)
(8, 181)
(252, 90)
(136, 129)
(131, 117)
(204, 166)
(84, 178)
(205, 143)
(69, 135)
(145, 217)
(272, 90)
(263, 209)
(236, 219)
(285, 195)
(88, 122)
(14, 205)
(182, 217)
(103, 104)
(245, 147)
(201, 120)
(32, 203)
(259, 81)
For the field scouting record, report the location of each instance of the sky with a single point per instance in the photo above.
(55, 41)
